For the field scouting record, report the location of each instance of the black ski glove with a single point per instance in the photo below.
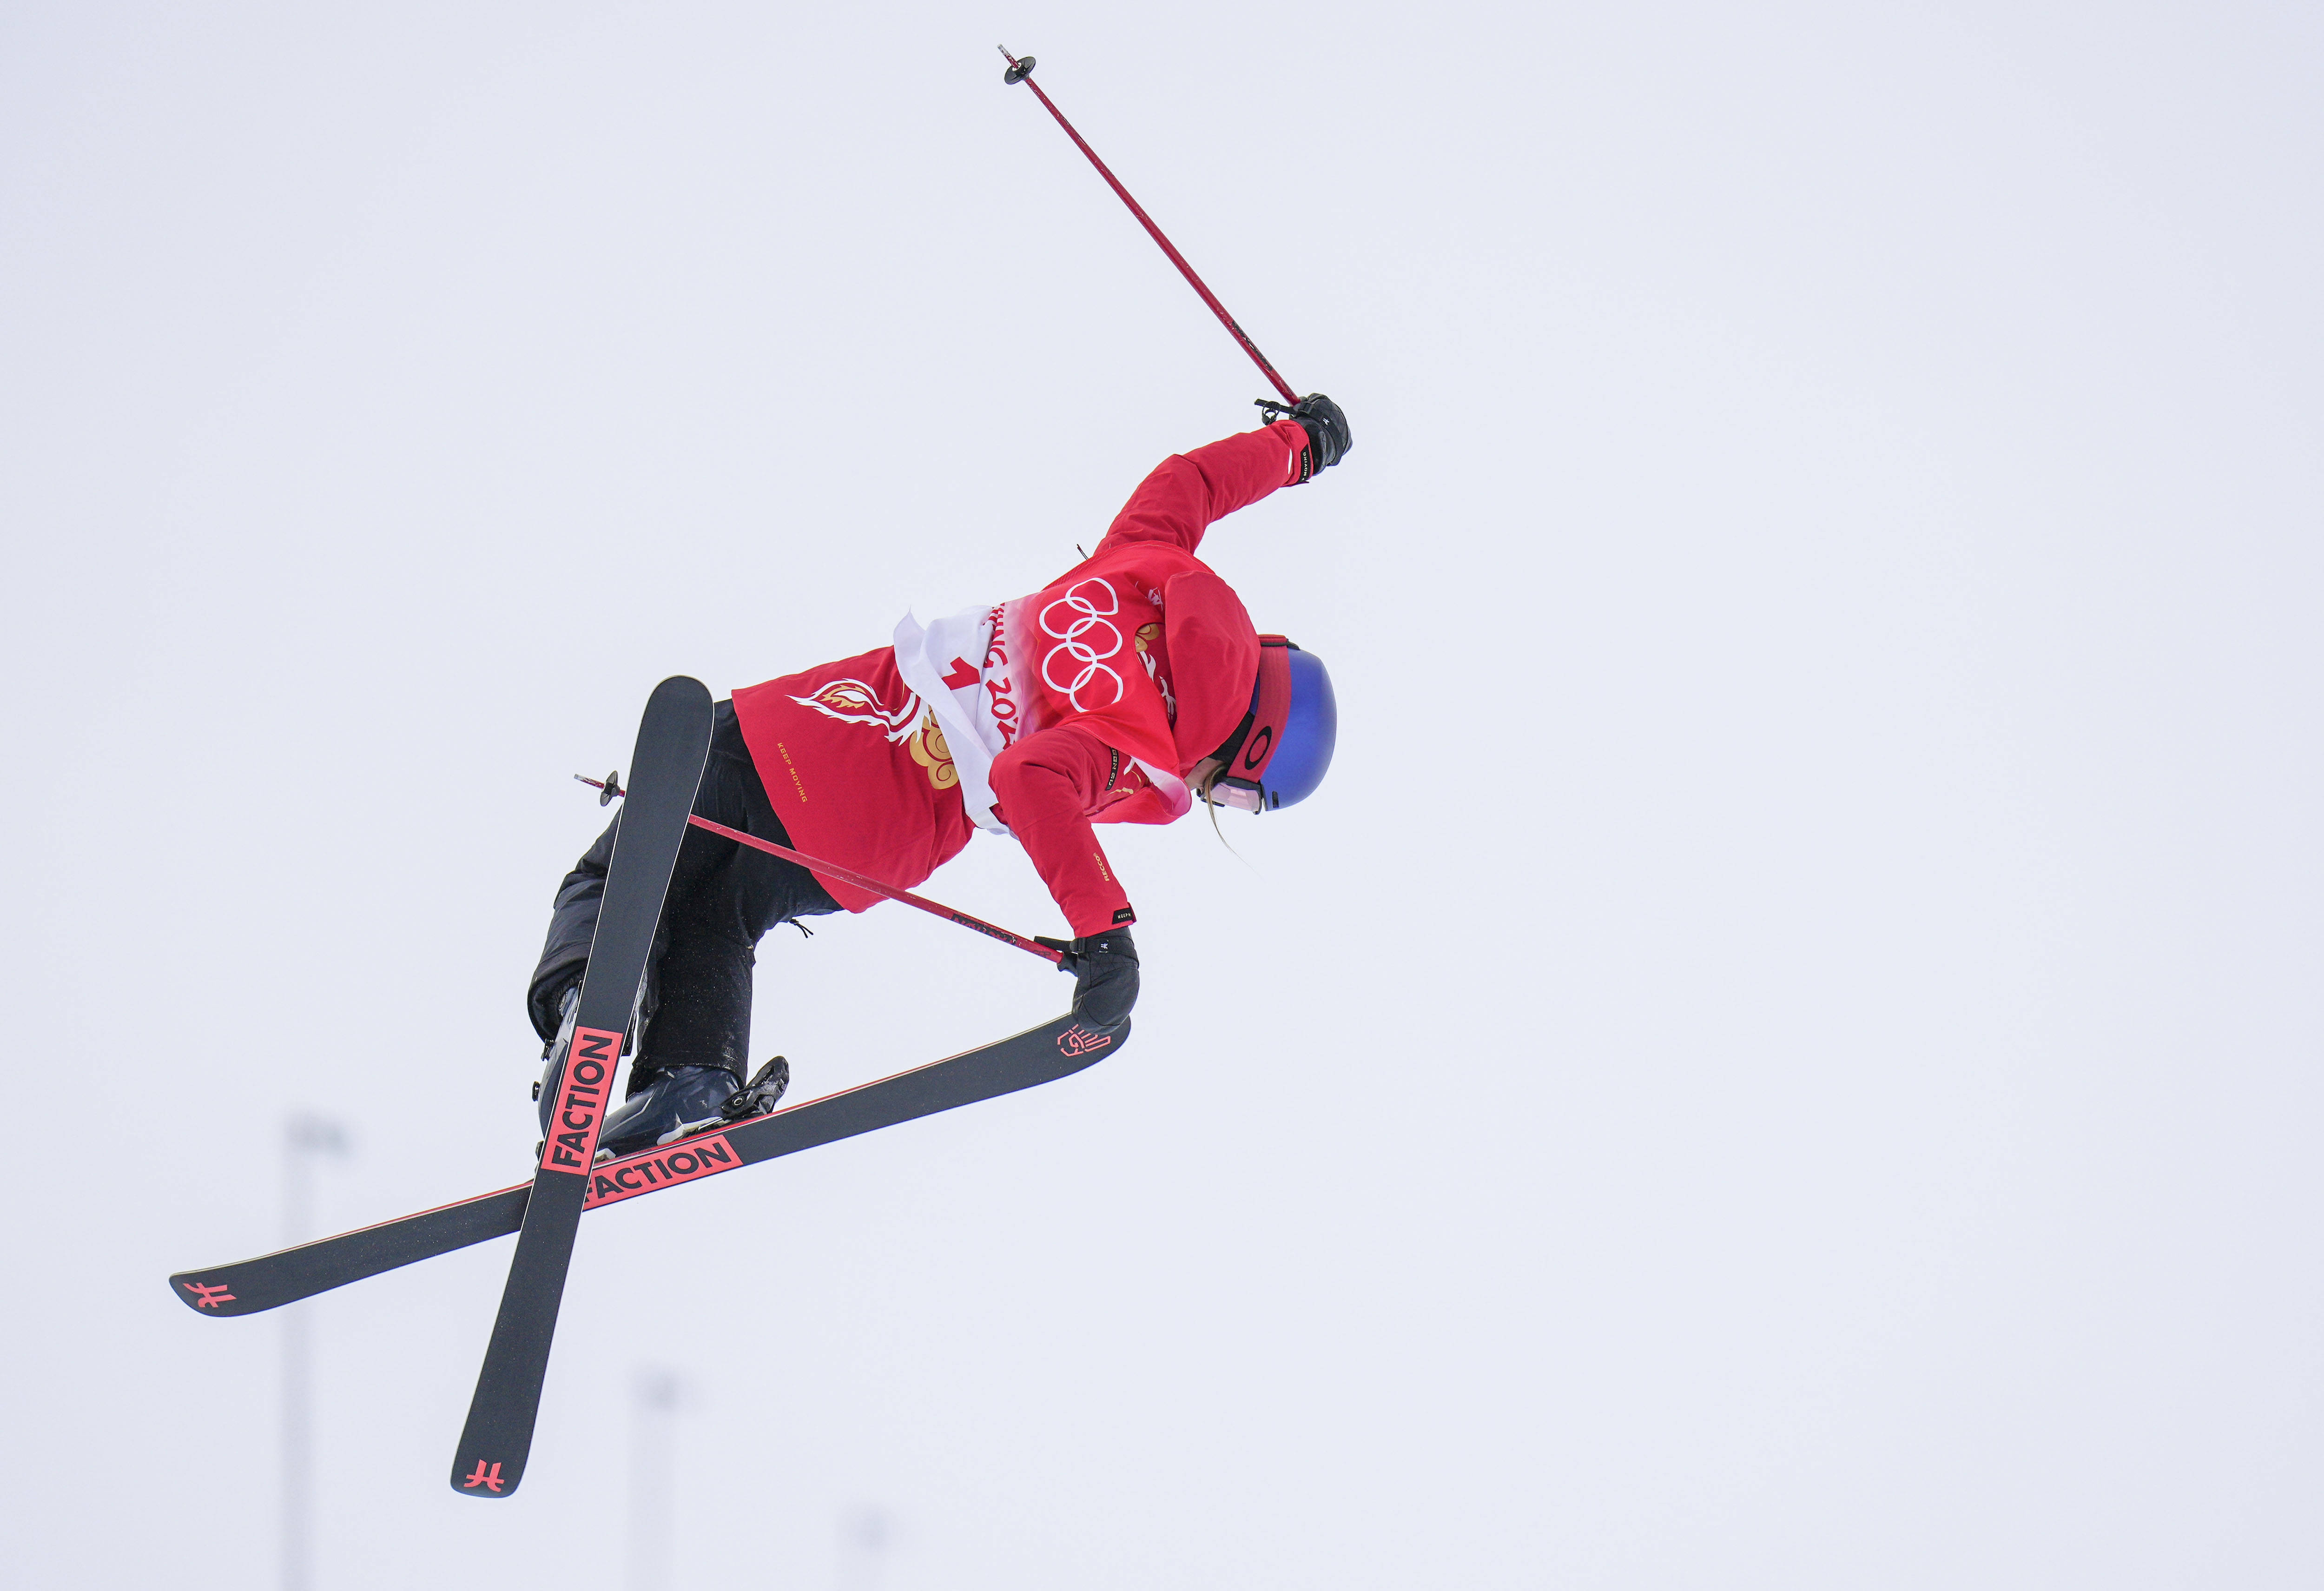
(1105, 975)
(1328, 440)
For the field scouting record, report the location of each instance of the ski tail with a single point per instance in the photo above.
(287, 1275)
(673, 745)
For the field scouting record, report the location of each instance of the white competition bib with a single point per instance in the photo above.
(960, 666)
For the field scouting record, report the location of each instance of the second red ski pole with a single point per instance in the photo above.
(609, 790)
(866, 881)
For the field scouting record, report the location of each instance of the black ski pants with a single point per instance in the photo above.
(722, 899)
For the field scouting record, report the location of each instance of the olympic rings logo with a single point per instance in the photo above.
(1088, 617)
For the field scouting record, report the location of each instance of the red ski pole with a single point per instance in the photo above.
(1021, 71)
(866, 881)
(609, 790)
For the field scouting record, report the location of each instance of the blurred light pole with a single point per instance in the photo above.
(656, 1396)
(865, 1534)
(305, 1139)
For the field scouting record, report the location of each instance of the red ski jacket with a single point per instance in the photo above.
(1088, 701)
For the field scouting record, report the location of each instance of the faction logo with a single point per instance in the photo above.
(208, 1295)
(488, 1478)
(1078, 1040)
(581, 1102)
(658, 1167)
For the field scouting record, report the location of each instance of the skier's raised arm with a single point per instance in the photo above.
(1188, 491)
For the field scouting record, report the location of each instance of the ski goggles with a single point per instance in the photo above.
(1278, 753)
(1243, 795)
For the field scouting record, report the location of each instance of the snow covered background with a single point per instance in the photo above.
(1786, 1055)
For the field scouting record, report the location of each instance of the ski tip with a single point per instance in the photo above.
(486, 1477)
(206, 1293)
(680, 689)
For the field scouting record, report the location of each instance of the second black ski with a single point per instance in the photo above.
(1056, 1049)
(673, 743)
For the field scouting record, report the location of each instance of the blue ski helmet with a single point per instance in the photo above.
(1281, 750)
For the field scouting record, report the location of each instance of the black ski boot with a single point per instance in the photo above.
(669, 1104)
(544, 1092)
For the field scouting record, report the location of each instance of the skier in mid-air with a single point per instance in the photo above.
(1125, 691)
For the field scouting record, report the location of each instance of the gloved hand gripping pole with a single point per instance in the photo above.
(1021, 71)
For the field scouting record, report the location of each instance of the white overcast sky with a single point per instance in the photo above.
(1786, 1055)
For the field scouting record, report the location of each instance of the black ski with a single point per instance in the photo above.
(1039, 1055)
(673, 742)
